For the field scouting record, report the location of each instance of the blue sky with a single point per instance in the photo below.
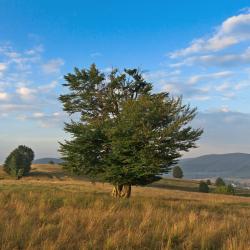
(198, 49)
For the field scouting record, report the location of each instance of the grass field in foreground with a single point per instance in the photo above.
(42, 212)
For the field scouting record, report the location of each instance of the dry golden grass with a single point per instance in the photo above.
(64, 213)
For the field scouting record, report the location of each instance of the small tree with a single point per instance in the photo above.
(51, 162)
(230, 189)
(209, 182)
(177, 172)
(219, 182)
(226, 189)
(203, 187)
(18, 163)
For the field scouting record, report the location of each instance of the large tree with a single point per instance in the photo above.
(122, 133)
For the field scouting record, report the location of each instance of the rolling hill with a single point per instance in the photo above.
(50, 209)
(47, 160)
(234, 165)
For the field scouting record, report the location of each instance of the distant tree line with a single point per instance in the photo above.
(220, 187)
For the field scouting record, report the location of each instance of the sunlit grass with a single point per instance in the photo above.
(74, 214)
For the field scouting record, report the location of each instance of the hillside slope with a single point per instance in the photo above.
(235, 165)
(58, 212)
(47, 160)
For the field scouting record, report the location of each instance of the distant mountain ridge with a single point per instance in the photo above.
(233, 165)
(47, 160)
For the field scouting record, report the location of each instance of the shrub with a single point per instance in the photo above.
(203, 187)
(230, 189)
(51, 162)
(226, 189)
(18, 163)
(209, 182)
(219, 182)
(177, 172)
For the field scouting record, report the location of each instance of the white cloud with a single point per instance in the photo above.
(4, 96)
(38, 115)
(224, 109)
(228, 95)
(242, 85)
(46, 120)
(36, 50)
(12, 107)
(222, 87)
(53, 66)
(21, 71)
(216, 60)
(232, 31)
(171, 88)
(3, 67)
(26, 93)
(200, 98)
(48, 87)
(197, 78)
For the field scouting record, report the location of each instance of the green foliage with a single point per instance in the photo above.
(20, 173)
(121, 132)
(209, 182)
(18, 163)
(51, 162)
(230, 189)
(226, 189)
(219, 182)
(203, 187)
(177, 172)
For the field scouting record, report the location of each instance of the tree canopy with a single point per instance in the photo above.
(219, 182)
(122, 132)
(18, 163)
(203, 187)
(177, 172)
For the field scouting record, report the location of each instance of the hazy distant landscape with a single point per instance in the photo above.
(233, 166)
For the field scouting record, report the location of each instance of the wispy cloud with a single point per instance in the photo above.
(26, 93)
(53, 66)
(45, 120)
(24, 88)
(213, 67)
(217, 75)
(231, 32)
(225, 131)
(4, 96)
(95, 54)
(227, 60)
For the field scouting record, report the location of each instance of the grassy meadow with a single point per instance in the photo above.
(51, 210)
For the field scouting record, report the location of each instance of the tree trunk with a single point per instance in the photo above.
(126, 191)
(123, 191)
